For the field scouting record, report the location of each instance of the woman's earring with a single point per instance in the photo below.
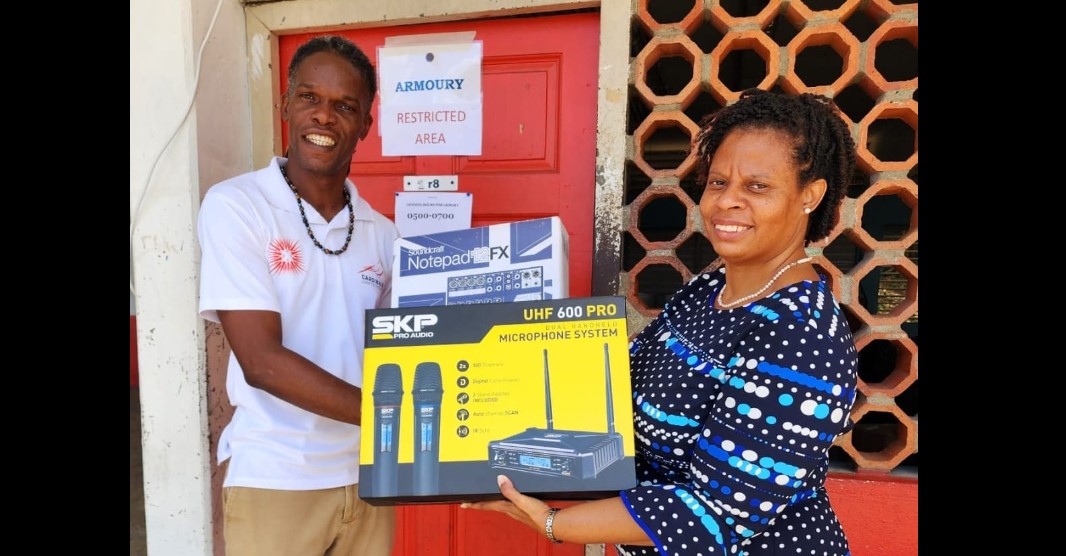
(806, 210)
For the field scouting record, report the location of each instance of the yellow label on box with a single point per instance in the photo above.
(455, 395)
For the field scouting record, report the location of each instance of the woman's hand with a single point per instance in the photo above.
(525, 509)
(599, 521)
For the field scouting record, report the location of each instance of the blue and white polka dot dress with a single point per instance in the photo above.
(735, 411)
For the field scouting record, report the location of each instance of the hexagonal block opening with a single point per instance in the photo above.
(742, 69)
(844, 253)
(887, 217)
(897, 60)
(854, 102)
(662, 219)
(887, 365)
(667, 147)
(636, 182)
(908, 399)
(666, 13)
(667, 70)
(879, 432)
(632, 252)
(656, 283)
(860, 25)
(877, 360)
(891, 140)
(819, 65)
(913, 174)
(883, 290)
(696, 253)
(702, 106)
(706, 36)
(781, 30)
(669, 75)
(744, 8)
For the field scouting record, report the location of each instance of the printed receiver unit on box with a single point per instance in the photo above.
(538, 390)
(517, 261)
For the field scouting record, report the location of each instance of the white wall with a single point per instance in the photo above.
(164, 38)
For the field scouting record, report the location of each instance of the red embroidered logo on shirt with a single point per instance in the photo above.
(284, 256)
(371, 275)
(375, 268)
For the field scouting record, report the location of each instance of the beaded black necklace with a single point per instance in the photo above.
(351, 218)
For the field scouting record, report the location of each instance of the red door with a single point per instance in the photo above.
(539, 84)
(539, 80)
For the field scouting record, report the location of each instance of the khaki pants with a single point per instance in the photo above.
(330, 522)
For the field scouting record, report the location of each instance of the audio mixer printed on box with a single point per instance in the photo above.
(520, 284)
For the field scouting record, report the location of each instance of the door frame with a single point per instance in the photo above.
(264, 23)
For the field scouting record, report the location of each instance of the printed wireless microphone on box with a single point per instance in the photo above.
(388, 396)
(427, 394)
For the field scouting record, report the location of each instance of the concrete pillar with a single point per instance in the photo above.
(165, 259)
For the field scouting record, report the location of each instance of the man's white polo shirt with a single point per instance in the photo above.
(256, 255)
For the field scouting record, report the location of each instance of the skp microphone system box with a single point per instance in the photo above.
(537, 390)
(517, 261)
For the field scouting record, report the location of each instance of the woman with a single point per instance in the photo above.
(748, 375)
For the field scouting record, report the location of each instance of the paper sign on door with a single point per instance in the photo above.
(430, 95)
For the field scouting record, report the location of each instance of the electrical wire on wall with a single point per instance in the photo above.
(181, 123)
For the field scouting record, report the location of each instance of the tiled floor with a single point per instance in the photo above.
(138, 544)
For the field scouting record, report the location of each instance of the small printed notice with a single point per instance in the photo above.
(418, 214)
(431, 100)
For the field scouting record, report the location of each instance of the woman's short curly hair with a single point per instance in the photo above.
(823, 147)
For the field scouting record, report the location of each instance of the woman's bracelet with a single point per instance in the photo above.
(548, 525)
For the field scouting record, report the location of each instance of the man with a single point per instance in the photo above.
(292, 258)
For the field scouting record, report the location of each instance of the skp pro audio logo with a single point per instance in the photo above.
(388, 327)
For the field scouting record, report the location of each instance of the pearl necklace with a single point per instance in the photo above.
(351, 218)
(722, 303)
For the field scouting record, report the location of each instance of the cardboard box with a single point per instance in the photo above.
(536, 390)
(517, 261)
